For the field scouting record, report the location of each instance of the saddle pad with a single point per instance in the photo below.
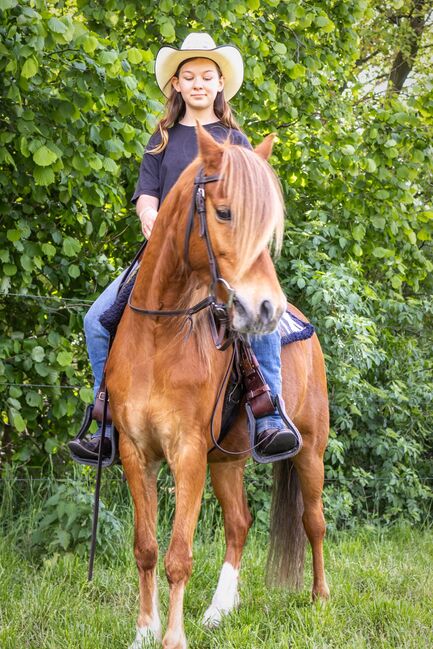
(293, 329)
(111, 317)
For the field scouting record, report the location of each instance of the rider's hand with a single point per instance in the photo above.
(147, 218)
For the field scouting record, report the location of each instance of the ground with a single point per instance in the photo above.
(381, 594)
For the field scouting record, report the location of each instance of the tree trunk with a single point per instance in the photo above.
(403, 62)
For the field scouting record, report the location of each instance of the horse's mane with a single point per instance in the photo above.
(256, 203)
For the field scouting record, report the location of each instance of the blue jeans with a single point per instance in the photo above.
(97, 337)
(267, 349)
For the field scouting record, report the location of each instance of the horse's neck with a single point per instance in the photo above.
(160, 280)
(162, 284)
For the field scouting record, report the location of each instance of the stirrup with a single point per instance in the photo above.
(85, 425)
(285, 455)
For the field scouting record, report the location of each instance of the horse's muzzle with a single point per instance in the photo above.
(262, 319)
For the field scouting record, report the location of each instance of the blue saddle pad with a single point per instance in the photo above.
(293, 329)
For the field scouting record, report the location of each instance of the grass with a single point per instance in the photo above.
(381, 597)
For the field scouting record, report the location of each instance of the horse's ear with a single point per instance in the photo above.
(264, 149)
(210, 151)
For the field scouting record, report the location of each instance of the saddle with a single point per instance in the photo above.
(246, 385)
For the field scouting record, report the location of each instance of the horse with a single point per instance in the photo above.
(163, 378)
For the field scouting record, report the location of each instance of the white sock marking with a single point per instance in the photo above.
(146, 635)
(226, 596)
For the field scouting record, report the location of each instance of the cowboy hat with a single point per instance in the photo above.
(200, 45)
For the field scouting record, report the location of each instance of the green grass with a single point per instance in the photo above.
(381, 597)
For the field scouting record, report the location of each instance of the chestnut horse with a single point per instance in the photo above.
(163, 386)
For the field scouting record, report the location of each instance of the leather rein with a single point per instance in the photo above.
(219, 317)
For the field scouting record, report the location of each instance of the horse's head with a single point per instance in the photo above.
(245, 214)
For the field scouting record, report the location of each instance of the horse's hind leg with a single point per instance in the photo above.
(309, 465)
(142, 484)
(227, 482)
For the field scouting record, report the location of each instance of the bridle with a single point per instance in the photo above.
(218, 312)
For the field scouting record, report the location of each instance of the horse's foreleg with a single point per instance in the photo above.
(189, 471)
(227, 482)
(309, 465)
(141, 478)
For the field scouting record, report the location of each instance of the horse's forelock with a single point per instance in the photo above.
(256, 203)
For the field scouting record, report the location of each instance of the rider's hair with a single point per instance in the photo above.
(175, 109)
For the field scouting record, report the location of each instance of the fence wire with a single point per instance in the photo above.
(31, 296)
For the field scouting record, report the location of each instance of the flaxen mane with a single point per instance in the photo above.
(256, 203)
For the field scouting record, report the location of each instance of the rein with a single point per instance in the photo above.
(219, 312)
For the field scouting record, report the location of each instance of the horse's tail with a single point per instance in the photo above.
(285, 565)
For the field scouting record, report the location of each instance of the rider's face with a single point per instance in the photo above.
(198, 82)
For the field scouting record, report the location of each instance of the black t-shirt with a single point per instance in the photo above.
(159, 172)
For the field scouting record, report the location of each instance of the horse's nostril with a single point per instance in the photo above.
(239, 307)
(266, 311)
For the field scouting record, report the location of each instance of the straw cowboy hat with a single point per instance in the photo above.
(196, 45)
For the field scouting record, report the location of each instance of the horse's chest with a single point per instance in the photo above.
(159, 411)
(166, 393)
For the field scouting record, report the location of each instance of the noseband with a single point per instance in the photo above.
(218, 312)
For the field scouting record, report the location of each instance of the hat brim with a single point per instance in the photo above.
(227, 57)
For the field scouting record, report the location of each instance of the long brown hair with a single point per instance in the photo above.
(175, 109)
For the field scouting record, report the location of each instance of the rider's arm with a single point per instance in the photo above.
(147, 210)
(147, 191)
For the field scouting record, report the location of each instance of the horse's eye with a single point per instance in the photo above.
(224, 214)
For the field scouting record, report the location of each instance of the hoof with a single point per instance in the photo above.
(215, 614)
(174, 641)
(321, 594)
(212, 617)
(146, 637)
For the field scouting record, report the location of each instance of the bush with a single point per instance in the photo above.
(78, 103)
(64, 523)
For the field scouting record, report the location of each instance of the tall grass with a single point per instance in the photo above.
(381, 588)
(381, 582)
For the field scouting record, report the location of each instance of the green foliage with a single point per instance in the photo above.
(78, 103)
(64, 522)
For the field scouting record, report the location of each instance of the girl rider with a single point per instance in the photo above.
(198, 80)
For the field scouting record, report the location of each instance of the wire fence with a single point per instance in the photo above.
(342, 482)
(30, 296)
(42, 385)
